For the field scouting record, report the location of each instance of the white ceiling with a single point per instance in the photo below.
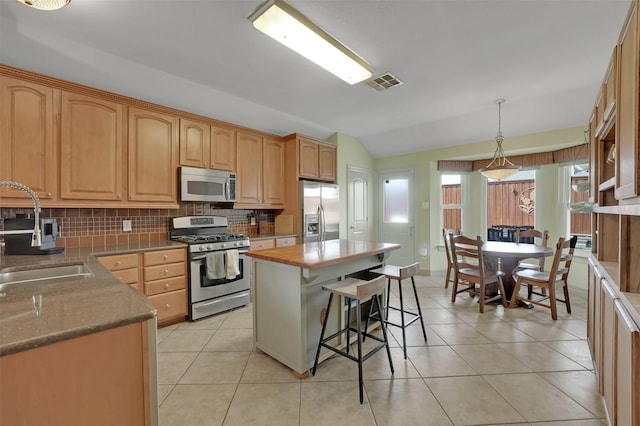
(547, 58)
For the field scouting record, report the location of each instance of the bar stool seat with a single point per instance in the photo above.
(401, 273)
(358, 290)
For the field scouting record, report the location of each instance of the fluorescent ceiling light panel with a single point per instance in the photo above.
(288, 26)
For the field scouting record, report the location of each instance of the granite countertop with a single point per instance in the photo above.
(325, 253)
(41, 313)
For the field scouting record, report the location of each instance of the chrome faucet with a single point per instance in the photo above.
(36, 239)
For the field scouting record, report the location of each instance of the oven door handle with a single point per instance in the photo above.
(202, 256)
(213, 302)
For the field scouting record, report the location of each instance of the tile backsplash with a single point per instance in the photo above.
(100, 227)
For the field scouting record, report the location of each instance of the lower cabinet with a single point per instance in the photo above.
(614, 337)
(160, 274)
(104, 378)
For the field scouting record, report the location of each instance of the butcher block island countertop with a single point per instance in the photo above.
(288, 300)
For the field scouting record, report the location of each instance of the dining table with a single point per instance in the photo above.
(504, 256)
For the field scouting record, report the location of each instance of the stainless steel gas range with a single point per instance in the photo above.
(218, 268)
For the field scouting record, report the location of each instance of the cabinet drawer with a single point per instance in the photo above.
(162, 257)
(262, 244)
(163, 271)
(118, 262)
(163, 286)
(283, 242)
(127, 276)
(170, 305)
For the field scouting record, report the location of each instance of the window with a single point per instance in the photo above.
(511, 201)
(451, 201)
(396, 201)
(579, 223)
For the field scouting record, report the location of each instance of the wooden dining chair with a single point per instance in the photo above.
(558, 273)
(532, 236)
(448, 278)
(469, 266)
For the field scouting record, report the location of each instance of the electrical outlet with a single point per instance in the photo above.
(126, 225)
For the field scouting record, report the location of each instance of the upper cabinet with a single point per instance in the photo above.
(261, 171)
(313, 159)
(28, 142)
(627, 156)
(195, 141)
(223, 149)
(153, 156)
(92, 148)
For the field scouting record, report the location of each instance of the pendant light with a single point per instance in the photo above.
(499, 167)
(45, 4)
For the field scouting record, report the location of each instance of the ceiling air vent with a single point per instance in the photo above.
(384, 82)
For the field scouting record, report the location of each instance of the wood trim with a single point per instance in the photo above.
(455, 166)
(25, 75)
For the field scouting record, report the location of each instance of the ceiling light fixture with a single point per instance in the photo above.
(288, 26)
(499, 167)
(45, 4)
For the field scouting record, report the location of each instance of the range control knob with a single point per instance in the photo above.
(223, 245)
(208, 247)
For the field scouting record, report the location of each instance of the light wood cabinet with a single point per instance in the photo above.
(28, 142)
(262, 244)
(91, 147)
(607, 371)
(261, 171)
(627, 150)
(125, 267)
(627, 382)
(105, 378)
(223, 149)
(153, 156)
(312, 159)
(195, 141)
(165, 283)
(285, 241)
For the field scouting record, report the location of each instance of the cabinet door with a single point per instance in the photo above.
(153, 156)
(327, 163)
(308, 159)
(627, 379)
(223, 149)
(594, 314)
(249, 170)
(91, 148)
(27, 141)
(195, 140)
(627, 152)
(607, 374)
(273, 173)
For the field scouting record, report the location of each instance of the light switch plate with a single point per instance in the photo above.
(126, 225)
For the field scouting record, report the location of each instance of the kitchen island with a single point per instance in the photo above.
(289, 303)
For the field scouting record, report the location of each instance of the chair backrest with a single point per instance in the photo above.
(467, 255)
(447, 246)
(562, 259)
(409, 271)
(494, 234)
(528, 236)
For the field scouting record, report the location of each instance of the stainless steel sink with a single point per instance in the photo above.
(67, 271)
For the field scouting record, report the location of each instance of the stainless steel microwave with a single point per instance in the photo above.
(207, 185)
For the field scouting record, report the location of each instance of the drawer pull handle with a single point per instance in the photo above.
(166, 285)
(165, 257)
(166, 271)
(167, 306)
(118, 263)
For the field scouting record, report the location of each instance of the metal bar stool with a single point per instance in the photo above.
(358, 290)
(401, 273)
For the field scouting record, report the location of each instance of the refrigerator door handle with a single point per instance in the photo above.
(322, 224)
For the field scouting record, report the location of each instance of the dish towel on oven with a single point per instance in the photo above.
(215, 265)
(233, 268)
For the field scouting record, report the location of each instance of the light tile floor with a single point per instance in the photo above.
(506, 366)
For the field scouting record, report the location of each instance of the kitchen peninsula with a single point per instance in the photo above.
(289, 303)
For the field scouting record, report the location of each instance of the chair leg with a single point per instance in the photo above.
(481, 298)
(324, 328)
(359, 331)
(552, 300)
(415, 292)
(447, 277)
(386, 307)
(349, 323)
(514, 295)
(404, 334)
(454, 290)
(384, 329)
(565, 288)
(501, 289)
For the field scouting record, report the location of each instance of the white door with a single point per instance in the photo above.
(396, 218)
(357, 204)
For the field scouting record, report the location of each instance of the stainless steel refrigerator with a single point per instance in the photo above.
(320, 208)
